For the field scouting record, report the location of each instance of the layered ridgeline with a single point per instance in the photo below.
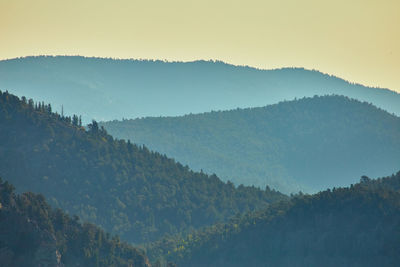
(33, 234)
(125, 189)
(107, 89)
(356, 226)
(308, 144)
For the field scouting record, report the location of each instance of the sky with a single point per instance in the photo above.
(358, 40)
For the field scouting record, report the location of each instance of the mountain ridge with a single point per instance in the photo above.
(215, 61)
(106, 89)
(274, 144)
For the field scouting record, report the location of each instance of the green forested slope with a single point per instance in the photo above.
(309, 144)
(33, 234)
(125, 189)
(355, 226)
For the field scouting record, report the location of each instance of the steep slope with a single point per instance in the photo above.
(121, 187)
(107, 89)
(356, 226)
(33, 234)
(309, 144)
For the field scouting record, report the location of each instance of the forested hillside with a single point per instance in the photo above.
(355, 226)
(124, 188)
(308, 144)
(33, 234)
(108, 89)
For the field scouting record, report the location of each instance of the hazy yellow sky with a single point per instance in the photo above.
(358, 40)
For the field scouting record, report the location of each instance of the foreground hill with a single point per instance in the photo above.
(121, 187)
(309, 144)
(33, 234)
(356, 226)
(107, 89)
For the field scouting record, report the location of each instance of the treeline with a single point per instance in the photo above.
(42, 107)
(122, 187)
(354, 226)
(34, 234)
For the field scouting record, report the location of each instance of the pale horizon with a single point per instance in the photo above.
(358, 41)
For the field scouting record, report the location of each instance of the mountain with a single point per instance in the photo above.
(355, 226)
(123, 188)
(33, 234)
(107, 89)
(308, 144)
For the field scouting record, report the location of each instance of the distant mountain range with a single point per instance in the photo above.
(185, 214)
(308, 144)
(107, 89)
(123, 188)
(356, 226)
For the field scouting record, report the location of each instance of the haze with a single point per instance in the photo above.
(356, 40)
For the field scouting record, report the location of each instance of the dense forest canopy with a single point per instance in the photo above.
(354, 226)
(126, 189)
(33, 234)
(308, 144)
(107, 89)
